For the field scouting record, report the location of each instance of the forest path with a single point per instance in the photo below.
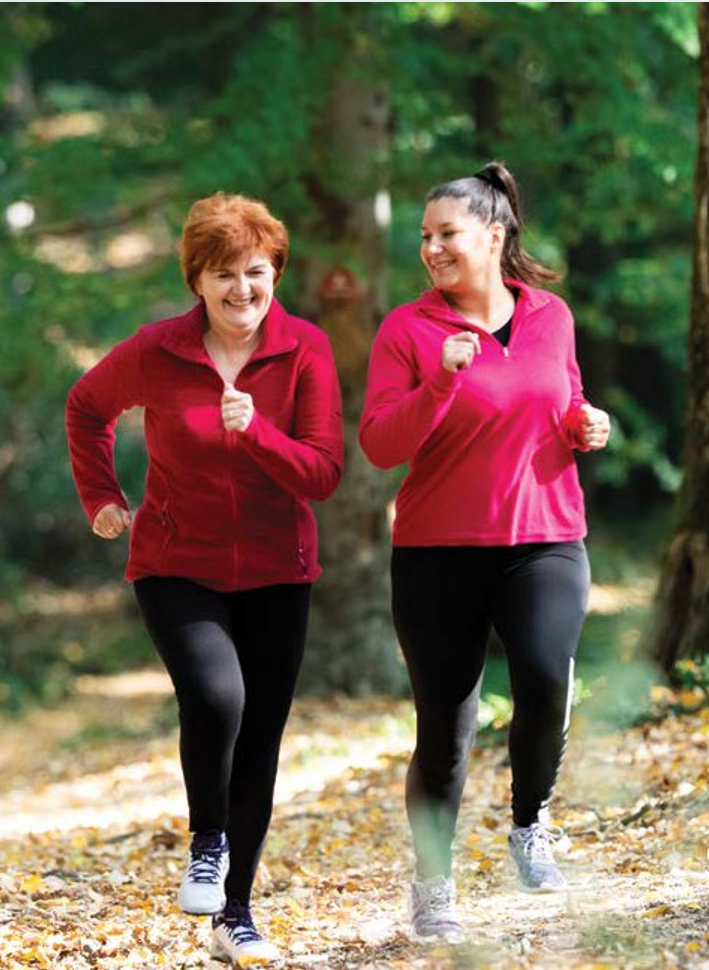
(93, 840)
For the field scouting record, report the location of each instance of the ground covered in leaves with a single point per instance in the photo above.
(93, 840)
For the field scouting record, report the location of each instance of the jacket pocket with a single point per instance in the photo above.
(303, 540)
(168, 527)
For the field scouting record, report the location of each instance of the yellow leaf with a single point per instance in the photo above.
(690, 698)
(656, 911)
(296, 908)
(33, 955)
(693, 947)
(31, 884)
(658, 694)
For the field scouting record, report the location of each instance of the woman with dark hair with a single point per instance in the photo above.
(475, 385)
(243, 431)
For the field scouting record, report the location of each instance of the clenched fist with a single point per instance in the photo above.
(111, 521)
(459, 351)
(237, 409)
(594, 427)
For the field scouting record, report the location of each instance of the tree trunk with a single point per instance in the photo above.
(352, 645)
(681, 628)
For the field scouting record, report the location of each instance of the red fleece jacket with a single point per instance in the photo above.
(226, 509)
(489, 448)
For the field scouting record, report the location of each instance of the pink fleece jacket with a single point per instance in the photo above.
(489, 448)
(225, 509)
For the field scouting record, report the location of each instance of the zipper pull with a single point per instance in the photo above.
(505, 351)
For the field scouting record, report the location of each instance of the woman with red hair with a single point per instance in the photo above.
(243, 431)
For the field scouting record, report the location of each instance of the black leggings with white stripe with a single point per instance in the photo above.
(445, 601)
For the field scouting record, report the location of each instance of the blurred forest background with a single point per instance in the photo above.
(115, 117)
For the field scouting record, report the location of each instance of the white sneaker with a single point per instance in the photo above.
(202, 889)
(433, 908)
(531, 850)
(236, 940)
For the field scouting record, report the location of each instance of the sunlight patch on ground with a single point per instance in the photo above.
(68, 124)
(609, 598)
(133, 683)
(46, 599)
(145, 780)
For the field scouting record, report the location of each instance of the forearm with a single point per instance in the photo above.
(309, 469)
(91, 443)
(395, 423)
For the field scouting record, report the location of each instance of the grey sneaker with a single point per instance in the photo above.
(202, 889)
(433, 905)
(236, 940)
(531, 851)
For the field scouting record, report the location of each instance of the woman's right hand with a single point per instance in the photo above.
(111, 521)
(459, 351)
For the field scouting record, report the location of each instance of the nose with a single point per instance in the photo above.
(240, 285)
(434, 246)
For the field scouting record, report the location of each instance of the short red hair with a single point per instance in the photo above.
(222, 228)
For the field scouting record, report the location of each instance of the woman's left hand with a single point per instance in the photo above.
(237, 409)
(594, 427)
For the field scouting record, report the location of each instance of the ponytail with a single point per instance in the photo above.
(492, 196)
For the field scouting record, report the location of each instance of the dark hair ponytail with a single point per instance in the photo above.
(492, 196)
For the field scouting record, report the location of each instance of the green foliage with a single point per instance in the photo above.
(637, 441)
(593, 105)
(42, 655)
(693, 675)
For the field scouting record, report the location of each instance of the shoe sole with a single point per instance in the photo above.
(244, 962)
(456, 936)
(437, 939)
(534, 890)
(203, 912)
(218, 951)
(541, 890)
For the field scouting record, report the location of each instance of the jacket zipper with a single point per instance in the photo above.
(231, 451)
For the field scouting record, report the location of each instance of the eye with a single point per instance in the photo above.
(425, 237)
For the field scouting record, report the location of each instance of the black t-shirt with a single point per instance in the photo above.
(504, 333)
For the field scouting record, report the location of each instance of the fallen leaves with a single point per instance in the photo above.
(91, 860)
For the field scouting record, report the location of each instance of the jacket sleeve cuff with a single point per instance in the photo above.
(571, 425)
(251, 432)
(445, 381)
(93, 508)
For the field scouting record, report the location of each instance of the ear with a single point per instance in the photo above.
(497, 236)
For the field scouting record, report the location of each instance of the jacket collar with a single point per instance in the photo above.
(433, 304)
(184, 336)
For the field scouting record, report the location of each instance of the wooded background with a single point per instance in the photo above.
(115, 117)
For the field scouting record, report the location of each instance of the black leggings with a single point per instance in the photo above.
(445, 600)
(234, 660)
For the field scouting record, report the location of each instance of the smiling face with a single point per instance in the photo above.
(237, 296)
(458, 250)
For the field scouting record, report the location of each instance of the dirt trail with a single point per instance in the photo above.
(92, 842)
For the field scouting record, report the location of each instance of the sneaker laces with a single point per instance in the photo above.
(434, 895)
(237, 921)
(538, 841)
(205, 863)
